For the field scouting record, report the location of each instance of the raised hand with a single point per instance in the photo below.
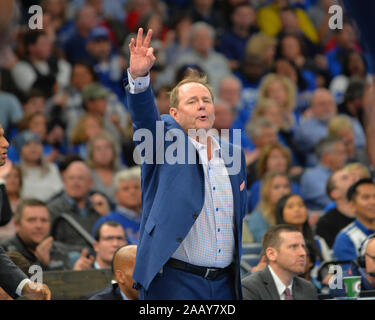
(36, 291)
(42, 251)
(141, 55)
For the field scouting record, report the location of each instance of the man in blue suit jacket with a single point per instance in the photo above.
(191, 227)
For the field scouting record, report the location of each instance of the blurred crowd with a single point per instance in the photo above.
(296, 89)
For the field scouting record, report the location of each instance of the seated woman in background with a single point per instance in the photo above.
(273, 158)
(86, 127)
(102, 158)
(291, 209)
(274, 186)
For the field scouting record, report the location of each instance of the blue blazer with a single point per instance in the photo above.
(173, 194)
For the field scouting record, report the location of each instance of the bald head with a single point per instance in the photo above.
(77, 180)
(123, 266)
(230, 90)
(323, 105)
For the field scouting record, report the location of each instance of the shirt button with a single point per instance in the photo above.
(214, 188)
(219, 250)
(217, 209)
(179, 239)
(218, 230)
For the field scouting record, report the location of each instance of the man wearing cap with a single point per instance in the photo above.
(107, 64)
(96, 101)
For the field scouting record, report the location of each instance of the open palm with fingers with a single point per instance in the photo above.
(141, 55)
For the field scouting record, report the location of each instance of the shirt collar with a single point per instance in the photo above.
(280, 286)
(216, 150)
(123, 295)
(127, 212)
(363, 228)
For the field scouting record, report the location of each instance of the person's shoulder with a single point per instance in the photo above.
(307, 288)
(255, 278)
(9, 243)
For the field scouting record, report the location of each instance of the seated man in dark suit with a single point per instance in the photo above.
(285, 252)
(122, 266)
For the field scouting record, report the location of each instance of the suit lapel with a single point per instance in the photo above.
(270, 285)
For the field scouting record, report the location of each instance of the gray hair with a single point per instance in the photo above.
(326, 145)
(201, 25)
(254, 127)
(133, 173)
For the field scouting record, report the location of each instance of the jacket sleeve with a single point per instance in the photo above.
(5, 209)
(10, 274)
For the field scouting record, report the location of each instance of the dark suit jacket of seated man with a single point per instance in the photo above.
(284, 248)
(176, 200)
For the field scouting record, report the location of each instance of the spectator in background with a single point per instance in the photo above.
(230, 91)
(285, 252)
(40, 179)
(32, 240)
(129, 201)
(344, 41)
(342, 127)
(224, 117)
(162, 99)
(75, 45)
(214, 64)
(109, 236)
(108, 65)
(76, 201)
(284, 92)
(85, 129)
(273, 158)
(332, 156)
(233, 43)
(264, 47)
(271, 20)
(205, 11)
(13, 181)
(361, 196)
(274, 186)
(261, 132)
(122, 268)
(354, 66)
(35, 101)
(40, 69)
(11, 110)
(331, 223)
(102, 158)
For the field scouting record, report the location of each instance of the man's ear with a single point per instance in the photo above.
(119, 276)
(271, 254)
(173, 112)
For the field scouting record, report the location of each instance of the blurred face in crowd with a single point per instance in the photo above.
(38, 124)
(347, 137)
(273, 113)
(195, 107)
(103, 152)
(244, 17)
(35, 104)
(13, 181)
(290, 256)
(100, 49)
(87, 19)
(280, 186)
(323, 105)
(223, 116)
(277, 91)
(81, 76)
(3, 147)
(111, 238)
(342, 180)
(34, 225)
(370, 261)
(230, 91)
(202, 41)
(128, 194)
(32, 152)
(97, 106)
(284, 68)
(290, 47)
(289, 20)
(336, 158)
(346, 37)
(162, 101)
(77, 180)
(42, 48)
(277, 161)
(364, 203)
(356, 65)
(92, 127)
(267, 135)
(295, 212)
